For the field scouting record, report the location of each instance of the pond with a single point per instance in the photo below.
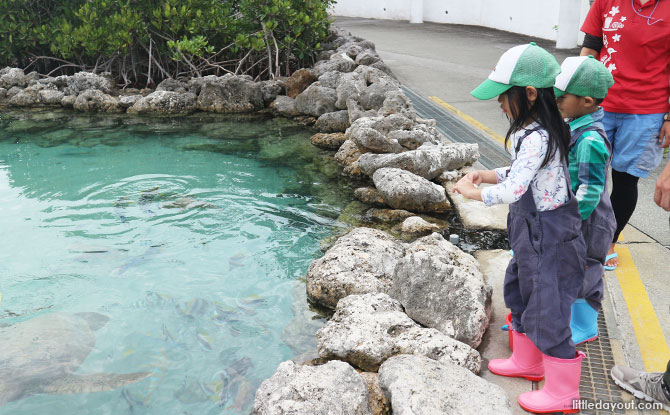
(171, 249)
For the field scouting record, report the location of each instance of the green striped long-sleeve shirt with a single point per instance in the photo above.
(587, 164)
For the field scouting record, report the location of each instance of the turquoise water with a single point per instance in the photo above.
(190, 234)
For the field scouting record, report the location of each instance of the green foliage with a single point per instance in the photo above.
(147, 40)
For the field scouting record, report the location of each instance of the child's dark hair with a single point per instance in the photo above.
(545, 112)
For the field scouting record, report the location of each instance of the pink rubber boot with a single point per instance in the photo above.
(561, 387)
(525, 362)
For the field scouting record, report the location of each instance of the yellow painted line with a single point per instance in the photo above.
(648, 332)
(465, 117)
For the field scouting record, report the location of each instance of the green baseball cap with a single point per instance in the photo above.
(523, 65)
(583, 76)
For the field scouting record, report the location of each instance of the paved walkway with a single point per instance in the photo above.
(442, 64)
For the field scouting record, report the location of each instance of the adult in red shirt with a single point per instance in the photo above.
(632, 38)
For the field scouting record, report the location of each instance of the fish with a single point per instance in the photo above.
(204, 340)
(237, 260)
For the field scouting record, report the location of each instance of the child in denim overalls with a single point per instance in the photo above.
(544, 226)
(579, 89)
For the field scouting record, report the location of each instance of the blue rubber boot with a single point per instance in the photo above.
(584, 322)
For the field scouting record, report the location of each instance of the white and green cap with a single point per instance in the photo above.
(523, 65)
(584, 76)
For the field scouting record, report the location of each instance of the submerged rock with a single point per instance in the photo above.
(442, 287)
(334, 388)
(368, 329)
(417, 385)
(360, 262)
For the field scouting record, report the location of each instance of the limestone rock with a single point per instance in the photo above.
(272, 89)
(442, 287)
(298, 82)
(334, 388)
(386, 215)
(339, 62)
(356, 111)
(417, 385)
(476, 215)
(368, 329)
(348, 153)
(68, 101)
(331, 141)
(415, 138)
(379, 404)
(84, 81)
(353, 171)
(25, 98)
(11, 77)
(316, 100)
(370, 196)
(404, 190)
(362, 261)
(285, 106)
(428, 161)
(367, 57)
(172, 85)
(127, 101)
(94, 100)
(165, 102)
(330, 79)
(349, 85)
(373, 96)
(373, 75)
(395, 102)
(231, 94)
(331, 122)
(418, 226)
(369, 133)
(51, 96)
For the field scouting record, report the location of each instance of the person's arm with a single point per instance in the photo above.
(591, 46)
(588, 51)
(591, 161)
(664, 135)
(467, 186)
(523, 170)
(593, 29)
(662, 192)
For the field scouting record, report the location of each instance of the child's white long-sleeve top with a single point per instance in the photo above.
(548, 183)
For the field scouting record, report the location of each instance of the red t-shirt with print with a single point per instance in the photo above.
(636, 49)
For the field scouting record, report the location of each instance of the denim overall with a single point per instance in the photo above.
(598, 230)
(547, 271)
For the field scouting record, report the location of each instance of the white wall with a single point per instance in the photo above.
(529, 17)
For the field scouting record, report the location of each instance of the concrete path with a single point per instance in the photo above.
(443, 63)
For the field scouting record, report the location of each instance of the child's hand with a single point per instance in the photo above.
(475, 177)
(466, 186)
